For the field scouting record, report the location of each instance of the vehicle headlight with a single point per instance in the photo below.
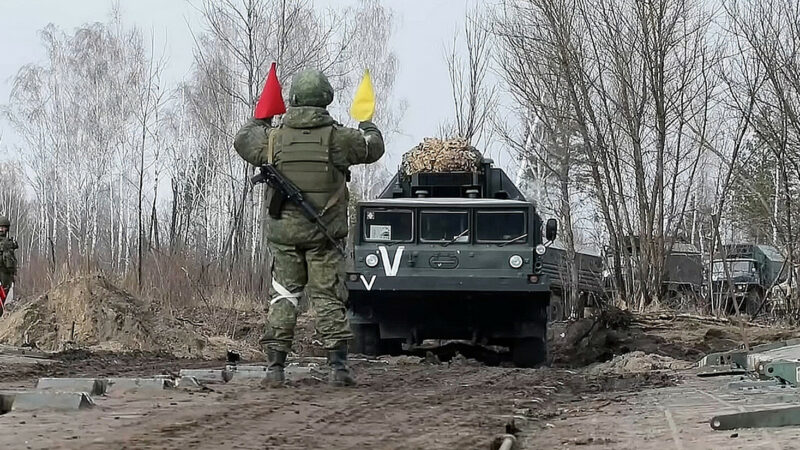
(541, 249)
(741, 287)
(371, 260)
(515, 261)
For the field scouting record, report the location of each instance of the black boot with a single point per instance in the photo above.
(340, 372)
(276, 361)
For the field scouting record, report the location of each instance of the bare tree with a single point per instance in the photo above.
(232, 57)
(636, 81)
(150, 103)
(473, 96)
(124, 173)
(536, 82)
(767, 35)
(76, 114)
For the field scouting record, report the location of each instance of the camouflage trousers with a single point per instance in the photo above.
(316, 268)
(6, 279)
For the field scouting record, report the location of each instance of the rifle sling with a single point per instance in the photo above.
(276, 199)
(334, 199)
(270, 146)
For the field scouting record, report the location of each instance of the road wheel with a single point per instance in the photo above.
(752, 302)
(673, 298)
(392, 347)
(556, 310)
(366, 339)
(529, 352)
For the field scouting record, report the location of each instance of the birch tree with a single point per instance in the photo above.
(767, 35)
(468, 64)
(233, 56)
(636, 79)
(77, 116)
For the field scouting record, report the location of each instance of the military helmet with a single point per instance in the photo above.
(310, 88)
(4, 222)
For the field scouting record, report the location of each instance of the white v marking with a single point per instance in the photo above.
(368, 284)
(390, 269)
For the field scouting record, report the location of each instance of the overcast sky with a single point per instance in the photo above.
(423, 29)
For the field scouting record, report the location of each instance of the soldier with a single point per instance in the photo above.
(315, 153)
(8, 260)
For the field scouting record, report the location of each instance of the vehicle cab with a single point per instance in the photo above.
(447, 243)
(741, 271)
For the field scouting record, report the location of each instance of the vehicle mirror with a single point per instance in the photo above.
(551, 229)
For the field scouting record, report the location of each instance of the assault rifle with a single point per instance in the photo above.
(283, 189)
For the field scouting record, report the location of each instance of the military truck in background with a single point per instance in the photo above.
(683, 272)
(751, 271)
(590, 287)
(452, 254)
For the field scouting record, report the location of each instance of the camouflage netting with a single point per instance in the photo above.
(441, 155)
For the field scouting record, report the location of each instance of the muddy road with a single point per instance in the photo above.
(647, 396)
(397, 405)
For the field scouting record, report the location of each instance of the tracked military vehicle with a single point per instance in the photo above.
(453, 255)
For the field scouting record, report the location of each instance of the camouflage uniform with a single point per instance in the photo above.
(8, 260)
(314, 152)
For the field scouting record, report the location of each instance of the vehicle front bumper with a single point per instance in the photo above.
(359, 282)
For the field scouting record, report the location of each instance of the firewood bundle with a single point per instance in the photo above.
(441, 155)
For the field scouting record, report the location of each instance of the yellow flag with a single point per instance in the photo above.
(363, 106)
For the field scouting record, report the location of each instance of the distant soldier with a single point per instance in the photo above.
(8, 260)
(315, 153)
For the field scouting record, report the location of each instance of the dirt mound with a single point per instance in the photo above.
(679, 336)
(586, 341)
(86, 311)
(637, 363)
(91, 312)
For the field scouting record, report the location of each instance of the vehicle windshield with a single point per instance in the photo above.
(444, 226)
(736, 268)
(501, 226)
(388, 225)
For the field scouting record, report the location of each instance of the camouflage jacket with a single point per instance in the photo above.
(8, 260)
(362, 146)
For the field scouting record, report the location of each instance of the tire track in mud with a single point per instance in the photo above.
(395, 406)
(323, 417)
(423, 412)
(400, 407)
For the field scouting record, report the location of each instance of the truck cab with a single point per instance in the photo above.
(742, 271)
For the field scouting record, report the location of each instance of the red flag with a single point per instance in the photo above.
(271, 101)
(2, 299)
